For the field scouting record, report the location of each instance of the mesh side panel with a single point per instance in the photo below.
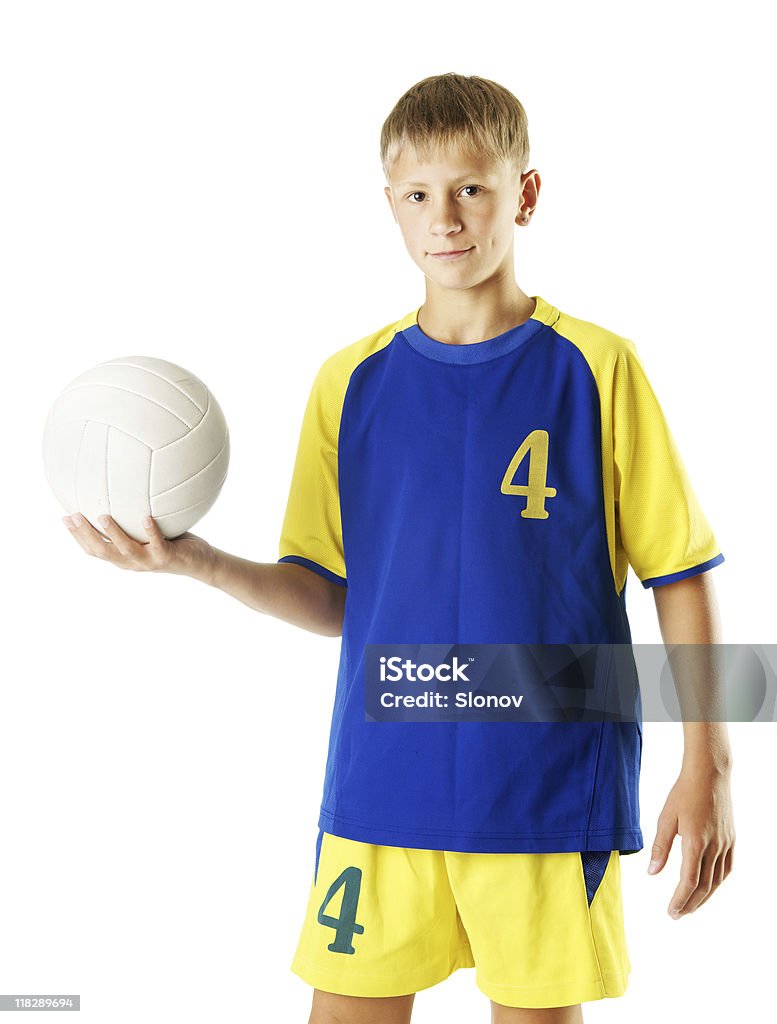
(594, 864)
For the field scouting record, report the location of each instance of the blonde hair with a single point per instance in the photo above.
(480, 115)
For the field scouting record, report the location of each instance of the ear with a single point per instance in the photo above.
(530, 191)
(390, 198)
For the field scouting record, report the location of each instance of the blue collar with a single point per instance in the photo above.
(479, 351)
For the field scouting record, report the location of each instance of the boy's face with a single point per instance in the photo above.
(456, 202)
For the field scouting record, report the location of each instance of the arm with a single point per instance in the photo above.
(688, 614)
(282, 589)
(699, 805)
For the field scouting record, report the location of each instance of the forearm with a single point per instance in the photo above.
(284, 590)
(707, 747)
(688, 614)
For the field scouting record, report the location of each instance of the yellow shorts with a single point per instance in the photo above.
(542, 929)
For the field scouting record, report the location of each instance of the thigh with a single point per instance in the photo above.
(329, 1008)
(518, 1015)
(546, 929)
(380, 921)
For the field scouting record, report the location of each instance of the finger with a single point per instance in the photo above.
(74, 523)
(155, 536)
(706, 885)
(730, 860)
(718, 874)
(90, 540)
(662, 845)
(124, 544)
(689, 876)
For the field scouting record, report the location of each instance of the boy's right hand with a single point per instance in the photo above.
(187, 555)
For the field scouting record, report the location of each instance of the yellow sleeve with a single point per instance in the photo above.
(663, 530)
(311, 534)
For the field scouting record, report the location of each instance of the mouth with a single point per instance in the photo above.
(451, 254)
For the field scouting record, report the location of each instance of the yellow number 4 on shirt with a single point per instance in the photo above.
(535, 445)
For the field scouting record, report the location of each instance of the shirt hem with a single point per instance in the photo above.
(308, 563)
(682, 574)
(625, 840)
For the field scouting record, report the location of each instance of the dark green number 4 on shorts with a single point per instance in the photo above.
(345, 926)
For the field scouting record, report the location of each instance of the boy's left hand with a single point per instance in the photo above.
(699, 809)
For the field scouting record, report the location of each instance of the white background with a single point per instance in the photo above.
(201, 182)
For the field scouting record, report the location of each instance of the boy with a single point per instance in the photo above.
(482, 470)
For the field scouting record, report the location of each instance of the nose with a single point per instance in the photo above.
(444, 219)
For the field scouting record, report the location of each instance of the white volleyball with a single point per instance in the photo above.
(133, 437)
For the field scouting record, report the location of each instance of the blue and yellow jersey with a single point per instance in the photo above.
(487, 493)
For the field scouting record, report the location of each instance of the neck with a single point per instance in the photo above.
(465, 317)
